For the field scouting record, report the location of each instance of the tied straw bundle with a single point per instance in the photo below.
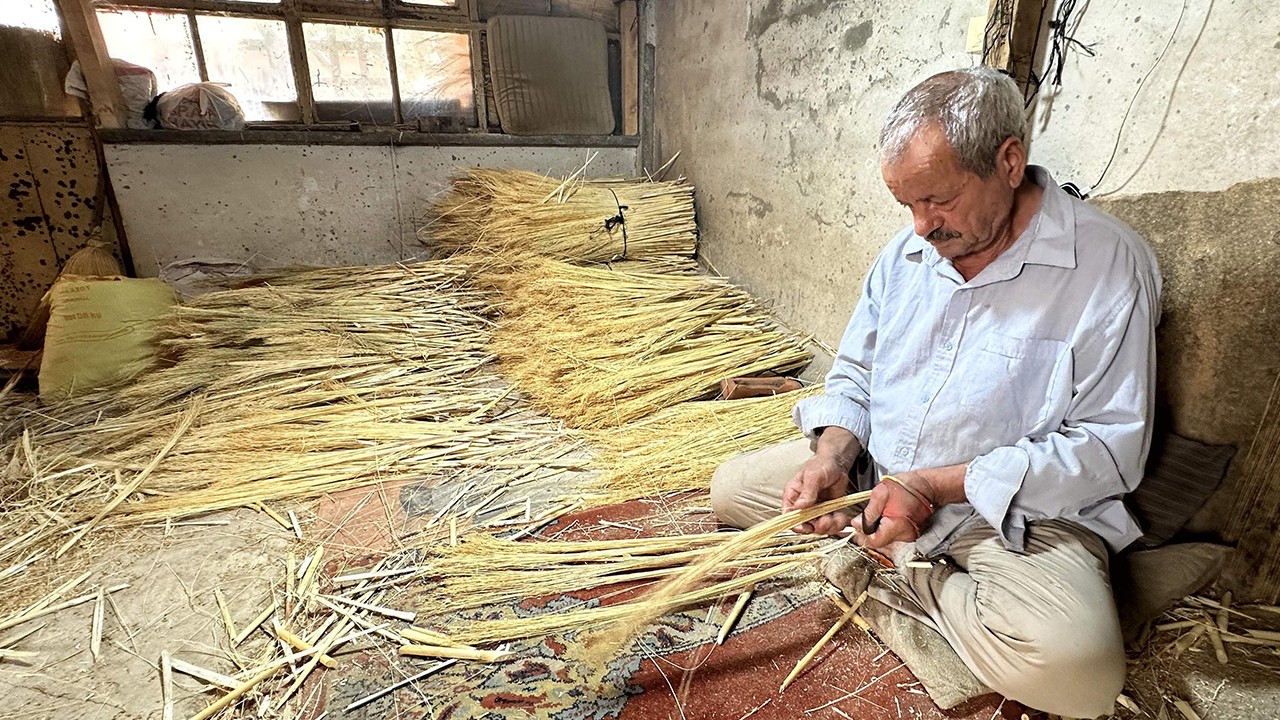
(599, 347)
(513, 214)
(679, 448)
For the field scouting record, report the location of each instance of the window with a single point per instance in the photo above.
(381, 62)
(33, 14)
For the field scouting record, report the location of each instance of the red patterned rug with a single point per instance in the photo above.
(673, 670)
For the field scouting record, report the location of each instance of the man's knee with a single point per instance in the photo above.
(1073, 667)
(747, 489)
(726, 493)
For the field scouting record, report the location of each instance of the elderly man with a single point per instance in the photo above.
(996, 377)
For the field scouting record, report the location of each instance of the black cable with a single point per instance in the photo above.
(1061, 41)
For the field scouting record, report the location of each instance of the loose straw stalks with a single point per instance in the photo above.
(308, 382)
(747, 552)
(680, 448)
(599, 347)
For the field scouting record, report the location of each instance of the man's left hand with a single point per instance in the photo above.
(902, 503)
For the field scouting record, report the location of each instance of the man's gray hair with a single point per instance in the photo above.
(976, 108)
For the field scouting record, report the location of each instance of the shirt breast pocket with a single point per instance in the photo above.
(1019, 384)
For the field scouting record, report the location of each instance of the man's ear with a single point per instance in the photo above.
(1011, 161)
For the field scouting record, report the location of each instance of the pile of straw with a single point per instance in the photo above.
(599, 347)
(678, 449)
(306, 384)
(516, 214)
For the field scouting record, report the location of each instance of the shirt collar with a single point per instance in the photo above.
(1048, 240)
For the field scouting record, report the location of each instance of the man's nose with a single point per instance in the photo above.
(925, 222)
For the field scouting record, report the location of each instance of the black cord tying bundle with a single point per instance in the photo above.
(619, 220)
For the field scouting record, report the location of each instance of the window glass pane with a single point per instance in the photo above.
(349, 74)
(155, 40)
(34, 14)
(252, 57)
(434, 69)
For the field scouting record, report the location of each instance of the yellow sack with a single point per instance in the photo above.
(101, 332)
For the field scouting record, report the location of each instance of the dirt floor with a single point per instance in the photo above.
(171, 605)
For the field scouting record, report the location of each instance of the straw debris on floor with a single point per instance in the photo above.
(515, 214)
(302, 384)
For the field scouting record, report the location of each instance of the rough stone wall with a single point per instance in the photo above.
(775, 107)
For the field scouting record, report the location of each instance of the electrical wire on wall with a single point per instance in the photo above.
(1168, 104)
(1062, 40)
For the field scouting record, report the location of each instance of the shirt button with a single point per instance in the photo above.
(902, 452)
(924, 399)
(947, 346)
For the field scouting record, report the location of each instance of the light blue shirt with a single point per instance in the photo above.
(1039, 372)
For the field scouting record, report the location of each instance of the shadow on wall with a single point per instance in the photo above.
(1219, 341)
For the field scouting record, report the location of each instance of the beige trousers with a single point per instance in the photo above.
(1039, 627)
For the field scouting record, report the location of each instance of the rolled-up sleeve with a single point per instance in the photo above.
(1097, 454)
(847, 400)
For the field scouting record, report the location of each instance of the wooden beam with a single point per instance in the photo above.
(85, 38)
(629, 26)
(1013, 28)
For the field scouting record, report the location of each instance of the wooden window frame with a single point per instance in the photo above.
(385, 14)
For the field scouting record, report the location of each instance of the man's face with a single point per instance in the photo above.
(958, 212)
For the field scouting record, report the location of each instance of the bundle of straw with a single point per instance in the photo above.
(712, 567)
(679, 448)
(599, 347)
(484, 570)
(516, 214)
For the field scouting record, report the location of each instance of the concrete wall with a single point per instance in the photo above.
(283, 204)
(776, 106)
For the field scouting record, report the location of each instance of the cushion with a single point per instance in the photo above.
(550, 75)
(1181, 475)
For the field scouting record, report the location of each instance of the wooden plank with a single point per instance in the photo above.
(28, 263)
(65, 165)
(380, 136)
(648, 156)
(1011, 40)
(85, 39)
(629, 27)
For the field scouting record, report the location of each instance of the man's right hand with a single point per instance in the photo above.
(825, 476)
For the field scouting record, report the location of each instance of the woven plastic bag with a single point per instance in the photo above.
(102, 331)
(199, 106)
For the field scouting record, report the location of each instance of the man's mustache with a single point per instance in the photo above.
(941, 234)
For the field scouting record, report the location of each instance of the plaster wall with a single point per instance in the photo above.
(775, 106)
(297, 204)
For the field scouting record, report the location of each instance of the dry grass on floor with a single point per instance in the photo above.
(679, 448)
(310, 383)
